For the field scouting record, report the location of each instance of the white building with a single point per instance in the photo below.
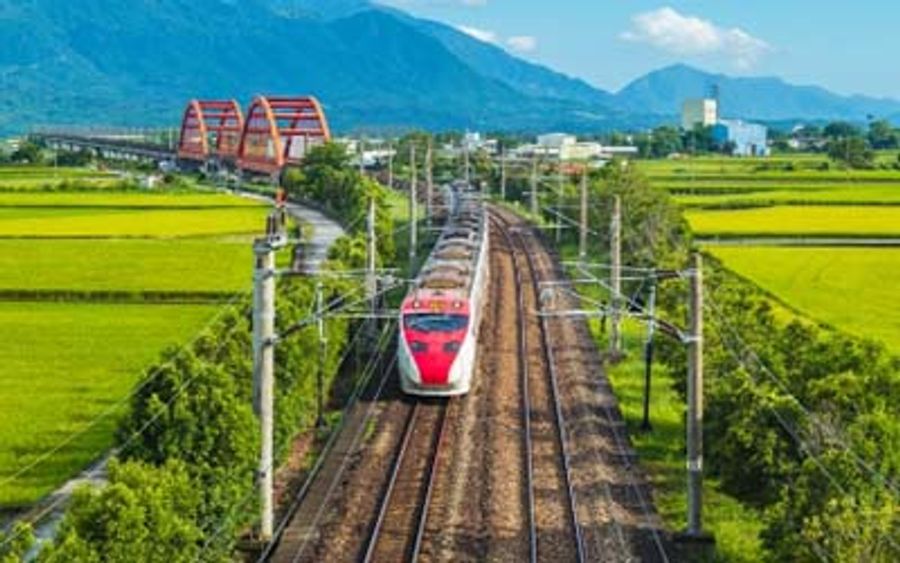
(701, 111)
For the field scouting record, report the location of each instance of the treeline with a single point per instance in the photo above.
(181, 483)
(802, 422)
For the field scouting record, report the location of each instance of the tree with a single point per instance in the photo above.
(853, 152)
(144, 513)
(16, 543)
(841, 130)
(664, 141)
(27, 153)
(882, 135)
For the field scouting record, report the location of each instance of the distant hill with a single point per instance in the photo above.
(769, 99)
(137, 63)
(130, 63)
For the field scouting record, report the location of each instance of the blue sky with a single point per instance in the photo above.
(848, 47)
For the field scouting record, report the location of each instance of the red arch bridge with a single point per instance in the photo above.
(276, 131)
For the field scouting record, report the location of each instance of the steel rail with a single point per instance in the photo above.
(521, 330)
(387, 498)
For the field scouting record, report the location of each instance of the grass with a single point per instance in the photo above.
(125, 265)
(736, 527)
(843, 221)
(64, 365)
(98, 223)
(852, 289)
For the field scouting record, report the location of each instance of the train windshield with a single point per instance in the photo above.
(429, 322)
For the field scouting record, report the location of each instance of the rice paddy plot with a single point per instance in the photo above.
(125, 265)
(867, 195)
(100, 223)
(852, 289)
(111, 199)
(798, 221)
(61, 367)
(22, 178)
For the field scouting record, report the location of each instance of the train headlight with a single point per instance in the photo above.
(452, 347)
(418, 347)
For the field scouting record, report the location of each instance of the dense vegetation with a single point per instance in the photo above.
(181, 487)
(802, 422)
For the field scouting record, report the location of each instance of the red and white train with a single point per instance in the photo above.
(441, 316)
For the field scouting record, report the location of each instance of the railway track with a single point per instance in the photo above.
(545, 432)
(403, 511)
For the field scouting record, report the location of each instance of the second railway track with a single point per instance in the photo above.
(403, 513)
(547, 460)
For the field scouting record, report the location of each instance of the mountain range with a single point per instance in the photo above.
(138, 62)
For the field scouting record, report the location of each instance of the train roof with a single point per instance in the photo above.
(449, 270)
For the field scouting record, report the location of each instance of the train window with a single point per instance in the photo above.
(427, 322)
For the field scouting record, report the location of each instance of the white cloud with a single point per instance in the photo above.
(483, 35)
(680, 34)
(522, 43)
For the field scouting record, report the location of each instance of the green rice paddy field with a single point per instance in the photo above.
(64, 372)
(853, 289)
(26, 178)
(792, 196)
(75, 347)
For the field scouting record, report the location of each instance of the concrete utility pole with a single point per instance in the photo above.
(583, 224)
(371, 281)
(648, 355)
(391, 165)
(534, 187)
(466, 164)
(429, 183)
(695, 401)
(264, 367)
(323, 344)
(413, 209)
(503, 176)
(615, 282)
(559, 198)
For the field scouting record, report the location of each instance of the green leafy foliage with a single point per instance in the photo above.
(144, 512)
(326, 179)
(194, 410)
(16, 543)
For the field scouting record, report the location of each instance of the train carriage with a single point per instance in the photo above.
(441, 316)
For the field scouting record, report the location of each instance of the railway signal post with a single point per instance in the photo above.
(534, 187)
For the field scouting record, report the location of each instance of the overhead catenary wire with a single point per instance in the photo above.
(765, 370)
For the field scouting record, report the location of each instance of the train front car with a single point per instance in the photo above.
(440, 317)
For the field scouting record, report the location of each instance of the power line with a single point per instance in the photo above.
(835, 432)
(118, 405)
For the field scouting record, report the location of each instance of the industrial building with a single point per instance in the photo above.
(747, 139)
(700, 111)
